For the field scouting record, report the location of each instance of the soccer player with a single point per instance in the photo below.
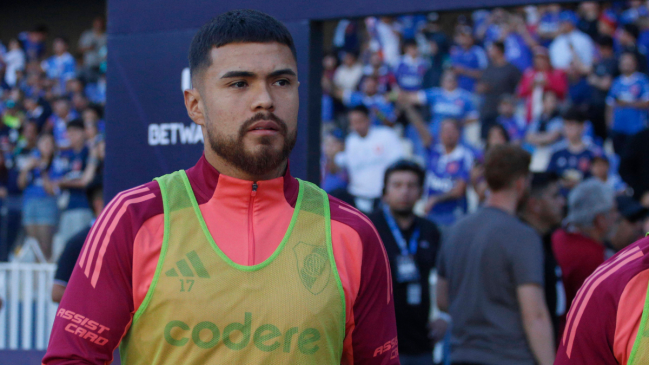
(232, 261)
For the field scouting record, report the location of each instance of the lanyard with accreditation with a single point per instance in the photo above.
(406, 267)
(407, 271)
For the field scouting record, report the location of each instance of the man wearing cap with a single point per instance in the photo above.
(607, 323)
(580, 246)
(571, 43)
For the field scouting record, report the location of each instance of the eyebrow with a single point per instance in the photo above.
(285, 71)
(236, 74)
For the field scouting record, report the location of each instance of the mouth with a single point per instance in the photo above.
(264, 127)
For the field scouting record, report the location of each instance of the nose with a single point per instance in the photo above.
(263, 100)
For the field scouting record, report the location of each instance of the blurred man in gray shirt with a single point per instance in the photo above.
(491, 275)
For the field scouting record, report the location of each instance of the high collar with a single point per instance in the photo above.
(205, 179)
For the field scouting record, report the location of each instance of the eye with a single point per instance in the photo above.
(239, 84)
(282, 82)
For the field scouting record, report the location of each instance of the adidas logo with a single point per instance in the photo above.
(186, 271)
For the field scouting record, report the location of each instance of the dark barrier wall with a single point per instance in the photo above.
(148, 133)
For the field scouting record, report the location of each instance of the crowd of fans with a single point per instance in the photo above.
(566, 83)
(51, 136)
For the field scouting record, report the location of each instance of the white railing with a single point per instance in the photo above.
(27, 311)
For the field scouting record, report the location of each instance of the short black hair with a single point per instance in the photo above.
(76, 123)
(404, 165)
(360, 108)
(409, 43)
(63, 38)
(500, 45)
(575, 114)
(236, 26)
(605, 41)
(541, 181)
(632, 29)
(602, 158)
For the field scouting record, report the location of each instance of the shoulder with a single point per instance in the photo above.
(529, 72)
(467, 95)
(643, 78)
(559, 147)
(131, 208)
(526, 231)
(477, 49)
(428, 226)
(351, 217)
(385, 131)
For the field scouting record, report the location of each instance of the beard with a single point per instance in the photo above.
(402, 212)
(265, 159)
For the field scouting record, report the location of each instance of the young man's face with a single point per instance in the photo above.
(506, 108)
(551, 204)
(370, 86)
(627, 64)
(77, 136)
(573, 130)
(402, 191)
(62, 108)
(412, 51)
(449, 134)
(549, 103)
(247, 102)
(599, 169)
(359, 122)
(449, 82)
(59, 46)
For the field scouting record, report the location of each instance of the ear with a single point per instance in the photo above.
(520, 184)
(194, 105)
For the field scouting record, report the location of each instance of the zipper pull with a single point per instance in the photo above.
(254, 189)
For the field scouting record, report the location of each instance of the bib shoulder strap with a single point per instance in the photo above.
(174, 189)
(314, 199)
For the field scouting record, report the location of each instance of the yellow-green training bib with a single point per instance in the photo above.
(202, 308)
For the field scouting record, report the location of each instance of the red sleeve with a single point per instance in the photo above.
(525, 86)
(374, 337)
(592, 335)
(558, 83)
(97, 307)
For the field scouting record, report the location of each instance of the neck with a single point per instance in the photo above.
(576, 145)
(504, 200)
(627, 74)
(404, 221)
(449, 148)
(226, 168)
(500, 61)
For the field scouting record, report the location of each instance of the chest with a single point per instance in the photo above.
(367, 149)
(579, 161)
(448, 106)
(468, 58)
